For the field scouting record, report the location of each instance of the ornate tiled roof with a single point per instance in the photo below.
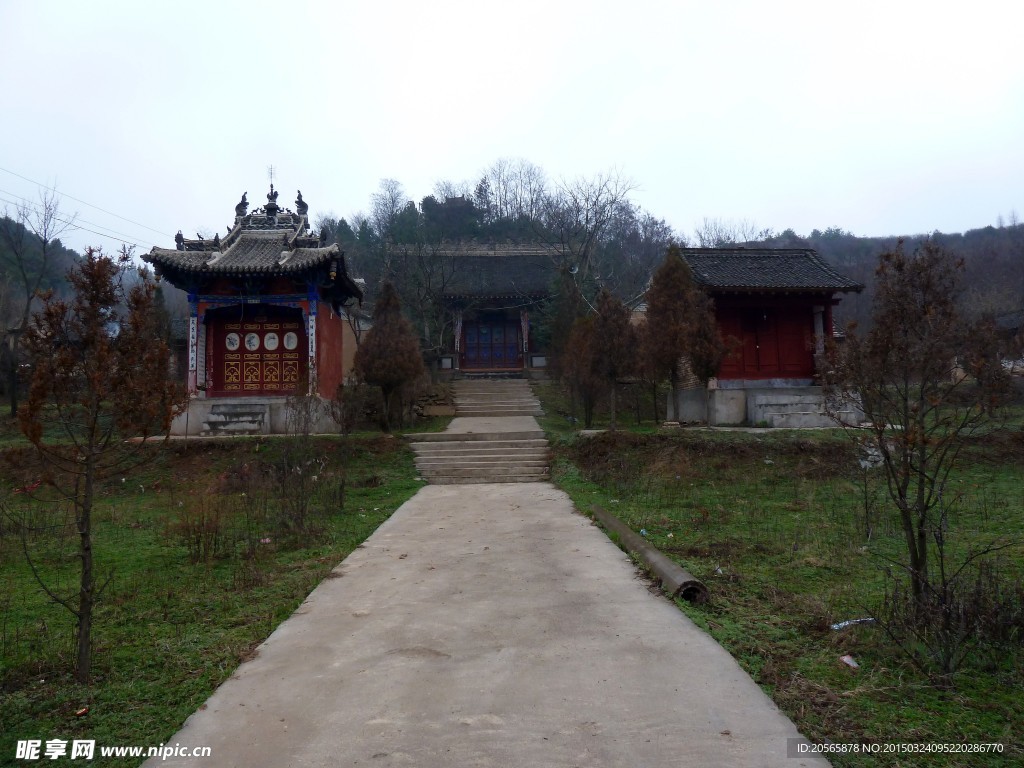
(764, 269)
(250, 253)
(270, 241)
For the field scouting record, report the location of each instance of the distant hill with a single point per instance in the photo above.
(12, 280)
(993, 260)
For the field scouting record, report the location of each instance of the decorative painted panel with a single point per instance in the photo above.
(258, 357)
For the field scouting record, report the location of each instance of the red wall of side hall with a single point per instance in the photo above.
(329, 350)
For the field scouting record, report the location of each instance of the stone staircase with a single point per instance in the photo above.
(495, 397)
(502, 451)
(797, 408)
(236, 418)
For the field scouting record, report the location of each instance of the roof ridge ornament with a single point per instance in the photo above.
(301, 206)
(242, 206)
(272, 207)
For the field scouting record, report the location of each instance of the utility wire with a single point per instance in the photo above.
(74, 226)
(73, 222)
(83, 202)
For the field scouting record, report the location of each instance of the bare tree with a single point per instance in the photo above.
(515, 188)
(631, 248)
(29, 237)
(578, 214)
(426, 271)
(386, 205)
(446, 189)
(717, 233)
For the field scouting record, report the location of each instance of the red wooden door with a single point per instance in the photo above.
(259, 357)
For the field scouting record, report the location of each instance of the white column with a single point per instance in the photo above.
(311, 332)
(458, 339)
(193, 354)
(819, 330)
(524, 321)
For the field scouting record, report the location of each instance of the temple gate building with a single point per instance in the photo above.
(494, 292)
(266, 307)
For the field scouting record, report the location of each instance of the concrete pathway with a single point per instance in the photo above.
(488, 625)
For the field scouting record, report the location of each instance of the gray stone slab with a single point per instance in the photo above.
(492, 424)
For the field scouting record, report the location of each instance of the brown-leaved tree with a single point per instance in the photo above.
(615, 347)
(100, 374)
(680, 324)
(577, 366)
(389, 356)
(928, 377)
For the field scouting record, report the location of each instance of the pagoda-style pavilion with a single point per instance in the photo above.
(266, 317)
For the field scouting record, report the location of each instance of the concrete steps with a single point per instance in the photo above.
(794, 409)
(467, 459)
(236, 419)
(495, 397)
(495, 456)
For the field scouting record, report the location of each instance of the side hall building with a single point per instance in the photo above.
(774, 310)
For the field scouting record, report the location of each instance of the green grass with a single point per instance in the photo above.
(563, 416)
(773, 523)
(168, 630)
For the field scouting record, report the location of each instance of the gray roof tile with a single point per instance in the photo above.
(500, 270)
(765, 269)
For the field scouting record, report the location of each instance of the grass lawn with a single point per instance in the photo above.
(776, 524)
(207, 550)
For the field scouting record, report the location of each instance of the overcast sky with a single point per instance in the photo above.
(880, 118)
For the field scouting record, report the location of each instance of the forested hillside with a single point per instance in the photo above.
(610, 241)
(993, 260)
(26, 268)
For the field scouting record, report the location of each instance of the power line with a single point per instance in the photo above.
(71, 222)
(74, 226)
(83, 202)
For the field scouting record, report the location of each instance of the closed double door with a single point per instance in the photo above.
(492, 344)
(264, 357)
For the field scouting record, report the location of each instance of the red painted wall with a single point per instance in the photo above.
(330, 342)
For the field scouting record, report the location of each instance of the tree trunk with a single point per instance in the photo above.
(613, 426)
(671, 403)
(919, 561)
(86, 593)
(588, 411)
(12, 384)
(386, 410)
